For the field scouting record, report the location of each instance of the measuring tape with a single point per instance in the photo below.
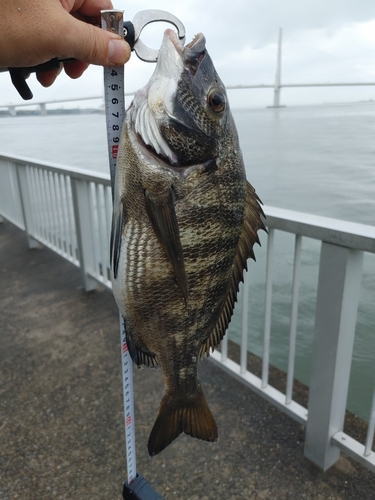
(127, 387)
(114, 92)
(114, 100)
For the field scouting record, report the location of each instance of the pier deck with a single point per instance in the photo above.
(61, 419)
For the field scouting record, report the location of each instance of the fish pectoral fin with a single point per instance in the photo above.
(116, 232)
(161, 212)
(182, 414)
(252, 223)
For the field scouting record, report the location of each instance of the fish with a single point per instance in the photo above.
(185, 220)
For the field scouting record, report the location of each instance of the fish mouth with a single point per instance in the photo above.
(194, 53)
(171, 35)
(197, 45)
(191, 54)
(198, 42)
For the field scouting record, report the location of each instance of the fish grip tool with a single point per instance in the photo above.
(130, 31)
(136, 488)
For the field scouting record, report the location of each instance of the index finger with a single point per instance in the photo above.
(89, 8)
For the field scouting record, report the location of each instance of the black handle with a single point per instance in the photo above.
(139, 489)
(19, 75)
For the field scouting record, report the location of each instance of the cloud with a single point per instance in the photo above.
(322, 41)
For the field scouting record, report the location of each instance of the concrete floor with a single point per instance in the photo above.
(61, 418)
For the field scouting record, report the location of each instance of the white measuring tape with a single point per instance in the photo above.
(114, 93)
(127, 387)
(114, 100)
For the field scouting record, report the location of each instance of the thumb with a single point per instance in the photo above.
(93, 45)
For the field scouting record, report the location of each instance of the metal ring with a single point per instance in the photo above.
(145, 17)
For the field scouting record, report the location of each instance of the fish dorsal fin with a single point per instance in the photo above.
(252, 223)
(161, 211)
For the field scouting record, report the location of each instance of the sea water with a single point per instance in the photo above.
(315, 159)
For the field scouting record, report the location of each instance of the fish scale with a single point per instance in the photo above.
(185, 221)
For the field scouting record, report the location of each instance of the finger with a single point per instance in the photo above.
(93, 45)
(46, 78)
(74, 69)
(91, 8)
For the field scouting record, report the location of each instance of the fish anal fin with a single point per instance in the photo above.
(161, 212)
(252, 223)
(190, 415)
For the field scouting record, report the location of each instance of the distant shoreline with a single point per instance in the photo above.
(101, 110)
(58, 111)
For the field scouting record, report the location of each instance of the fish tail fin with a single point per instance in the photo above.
(176, 415)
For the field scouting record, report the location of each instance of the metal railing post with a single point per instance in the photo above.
(268, 306)
(26, 207)
(83, 223)
(335, 318)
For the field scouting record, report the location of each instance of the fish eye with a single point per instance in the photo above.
(216, 101)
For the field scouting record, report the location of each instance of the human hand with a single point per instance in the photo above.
(35, 31)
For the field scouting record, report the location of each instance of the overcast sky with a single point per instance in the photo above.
(323, 41)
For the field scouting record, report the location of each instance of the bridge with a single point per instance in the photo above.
(12, 108)
(276, 86)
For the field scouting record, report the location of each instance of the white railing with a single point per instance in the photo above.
(66, 209)
(69, 210)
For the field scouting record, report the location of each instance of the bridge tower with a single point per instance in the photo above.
(277, 86)
(43, 109)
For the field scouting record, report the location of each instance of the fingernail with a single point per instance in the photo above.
(117, 52)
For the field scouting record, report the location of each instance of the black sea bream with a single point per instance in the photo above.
(185, 221)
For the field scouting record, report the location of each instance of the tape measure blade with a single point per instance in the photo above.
(114, 92)
(127, 384)
(114, 100)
